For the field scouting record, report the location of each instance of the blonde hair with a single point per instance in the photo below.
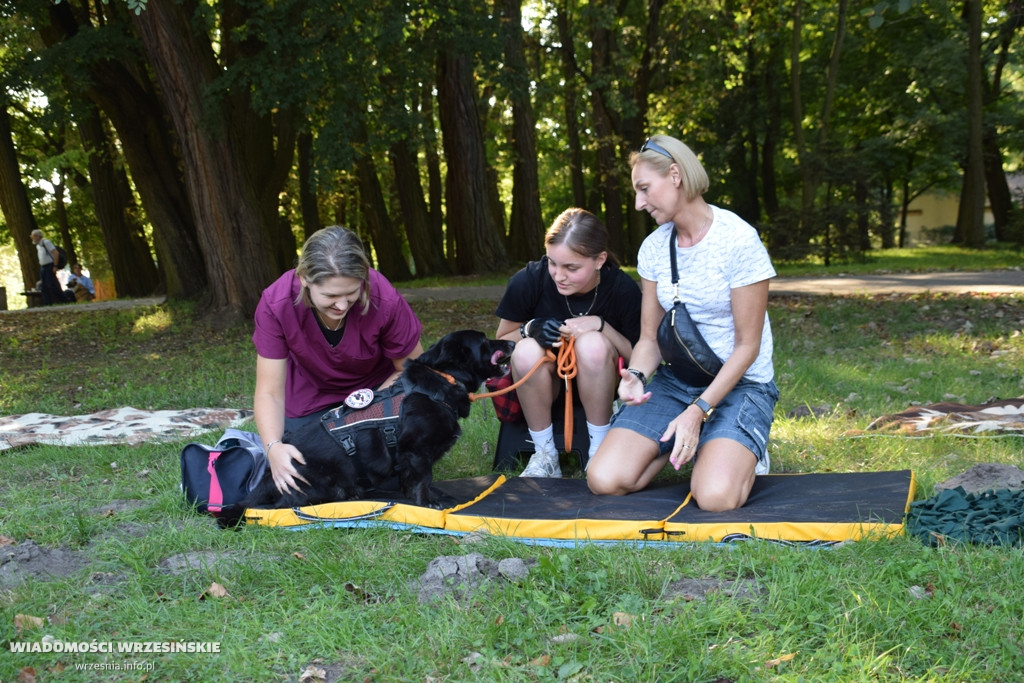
(333, 251)
(693, 177)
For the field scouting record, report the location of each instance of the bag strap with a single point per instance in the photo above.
(215, 502)
(672, 259)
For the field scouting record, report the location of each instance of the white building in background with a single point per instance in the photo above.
(931, 217)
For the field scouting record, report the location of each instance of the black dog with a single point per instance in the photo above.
(437, 387)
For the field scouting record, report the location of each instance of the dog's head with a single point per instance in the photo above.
(469, 356)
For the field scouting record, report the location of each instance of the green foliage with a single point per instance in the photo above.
(876, 14)
(136, 6)
(362, 78)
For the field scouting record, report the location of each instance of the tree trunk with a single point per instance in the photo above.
(634, 129)
(999, 198)
(235, 233)
(307, 193)
(796, 97)
(832, 80)
(128, 253)
(435, 183)
(60, 215)
(904, 206)
(970, 218)
(570, 96)
(125, 94)
(809, 160)
(772, 128)
(478, 243)
(863, 237)
(387, 243)
(264, 142)
(526, 224)
(609, 161)
(745, 148)
(427, 249)
(15, 203)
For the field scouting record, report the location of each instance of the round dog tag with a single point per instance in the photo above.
(360, 398)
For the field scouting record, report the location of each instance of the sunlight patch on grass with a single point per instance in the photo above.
(158, 320)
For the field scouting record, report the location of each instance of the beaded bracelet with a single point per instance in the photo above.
(639, 375)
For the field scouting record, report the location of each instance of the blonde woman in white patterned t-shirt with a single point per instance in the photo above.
(724, 271)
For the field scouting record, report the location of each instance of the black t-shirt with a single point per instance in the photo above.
(531, 293)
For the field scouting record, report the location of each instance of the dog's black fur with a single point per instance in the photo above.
(428, 427)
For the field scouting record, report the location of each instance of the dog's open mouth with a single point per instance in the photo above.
(500, 359)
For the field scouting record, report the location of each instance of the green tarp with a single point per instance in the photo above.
(994, 517)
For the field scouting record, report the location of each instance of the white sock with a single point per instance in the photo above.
(544, 440)
(597, 435)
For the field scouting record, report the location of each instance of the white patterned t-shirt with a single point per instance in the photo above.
(730, 255)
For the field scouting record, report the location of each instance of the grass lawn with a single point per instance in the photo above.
(343, 604)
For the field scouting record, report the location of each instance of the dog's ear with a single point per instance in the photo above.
(435, 352)
(450, 351)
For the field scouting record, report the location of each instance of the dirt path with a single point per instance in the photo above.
(955, 282)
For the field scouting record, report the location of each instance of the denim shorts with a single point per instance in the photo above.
(745, 415)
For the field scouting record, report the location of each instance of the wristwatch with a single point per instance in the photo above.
(704, 406)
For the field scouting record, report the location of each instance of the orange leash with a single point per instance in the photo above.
(566, 365)
(548, 357)
(567, 371)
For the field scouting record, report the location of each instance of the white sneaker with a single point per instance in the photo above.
(543, 465)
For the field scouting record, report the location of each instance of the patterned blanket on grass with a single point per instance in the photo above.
(116, 426)
(995, 418)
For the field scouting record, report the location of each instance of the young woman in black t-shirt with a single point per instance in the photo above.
(577, 289)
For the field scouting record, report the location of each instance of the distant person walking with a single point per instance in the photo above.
(48, 256)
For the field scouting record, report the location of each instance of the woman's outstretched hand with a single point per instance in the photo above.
(631, 389)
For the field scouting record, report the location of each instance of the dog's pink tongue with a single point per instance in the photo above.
(496, 356)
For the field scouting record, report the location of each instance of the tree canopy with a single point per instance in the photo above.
(188, 147)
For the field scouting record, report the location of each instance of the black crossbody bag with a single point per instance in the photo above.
(682, 345)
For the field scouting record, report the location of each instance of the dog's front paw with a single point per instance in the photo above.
(438, 501)
(423, 502)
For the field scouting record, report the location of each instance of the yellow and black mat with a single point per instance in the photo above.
(797, 508)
